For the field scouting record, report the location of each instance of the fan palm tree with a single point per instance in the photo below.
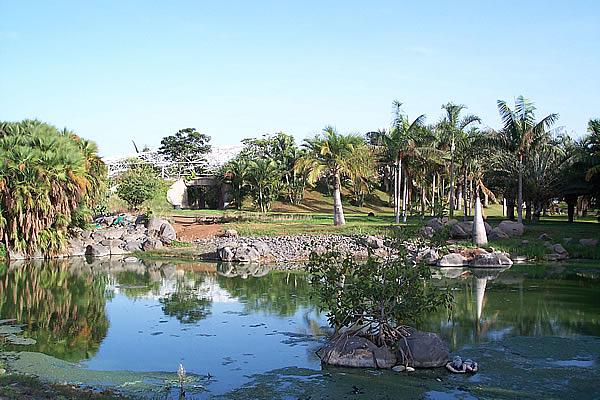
(453, 128)
(519, 135)
(330, 155)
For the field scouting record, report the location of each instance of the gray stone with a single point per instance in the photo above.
(490, 260)
(246, 254)
(498, 234)
(452, 260)
(263, 249)
(436, 224)
(75, 248)
(153, 224)
(512, 228)
(559, 249)
(544, 237)
(225, 253)
(152, 244)
(427, 231)
(458, 231)
(399, 368)
(230, 233)
(85, 234)
(167, 233)
(488, 227)
(588, 242)
(133, 246)
(428, 256)
(97, 250)
(373, 242)
(356, 352)
(113, 233)
(422, 350)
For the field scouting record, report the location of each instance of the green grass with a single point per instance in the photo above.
(28, 387)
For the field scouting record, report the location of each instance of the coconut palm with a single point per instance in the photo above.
(453, 128)
(330, 155)
(519, 135)
(397, 143)
(593, 143)
(235, 173)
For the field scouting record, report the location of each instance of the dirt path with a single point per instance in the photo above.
(190, 232)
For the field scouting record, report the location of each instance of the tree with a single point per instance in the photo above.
(330, 155)
(235, 173)
(376, 299)
(187, 148)
(519, 135)
(398, 143)
(263, 179)
(593, 144)
(137, 184)
(45, 176)
(453, 127)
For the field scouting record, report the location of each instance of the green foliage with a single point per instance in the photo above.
(48, 178)
(186, 146)
(137, 185)
(376, 299)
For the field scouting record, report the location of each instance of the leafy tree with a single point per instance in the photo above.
(188, 148)
(330, 155)
(235, 173)
(47, 176)
(376, 299)
(138, 184)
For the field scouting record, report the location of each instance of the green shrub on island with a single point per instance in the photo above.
(48, 179)
(378, 299)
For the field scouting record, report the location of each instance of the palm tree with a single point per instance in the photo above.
(519, 135)
(235, 173)
(263, 177)
(330, 155)
(453, 128)
(44, 177)
(396, 144)
(593, 143)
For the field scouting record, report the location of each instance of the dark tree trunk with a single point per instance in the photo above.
(510, 209)
(571, 203)
(528, 210)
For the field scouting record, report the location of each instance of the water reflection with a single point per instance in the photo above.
(236, 320)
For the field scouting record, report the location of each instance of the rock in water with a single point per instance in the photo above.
(479, 233)
(422, 350)
(97, 250)
(452, 260)
(491, 260)
(356, 351)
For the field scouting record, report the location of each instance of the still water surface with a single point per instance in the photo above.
(248, 332)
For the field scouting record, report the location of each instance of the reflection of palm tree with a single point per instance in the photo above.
(189, 303)
(64, 312)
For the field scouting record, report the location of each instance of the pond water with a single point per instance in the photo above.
(249, 332)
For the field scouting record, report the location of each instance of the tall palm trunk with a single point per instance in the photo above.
(397, 175)
(433, 195)
(451, 199)
(404, 198)
(338, 210)
(520, 192)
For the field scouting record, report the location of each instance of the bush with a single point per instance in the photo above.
(377, 299)
(137, 185)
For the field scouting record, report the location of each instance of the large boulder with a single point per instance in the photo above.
(133, 246)
(422, 350)
(490, 260)
(427, 231)
(356, 352)
(497, 234)
(76, 247)
(230, 233)
(113, 233)
(588, 242)
(428, 255)
(461, 230)
(152, 244)
(226, 253)
(263, 249)
(153, 225)
(246, 254)
(167, 233)
(452, 260)
(436, 224)
(512, 228)
(373, 242)
(97, 250)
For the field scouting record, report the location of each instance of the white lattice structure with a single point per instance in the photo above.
(218, 156)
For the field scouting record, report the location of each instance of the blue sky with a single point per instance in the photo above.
(116, 71)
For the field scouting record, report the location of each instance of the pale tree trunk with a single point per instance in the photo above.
(404, 198)
(451, 199)
(520, 194)
(433, 195)
(338, 211)
(397, 172)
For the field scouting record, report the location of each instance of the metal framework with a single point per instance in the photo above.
(218, 156)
